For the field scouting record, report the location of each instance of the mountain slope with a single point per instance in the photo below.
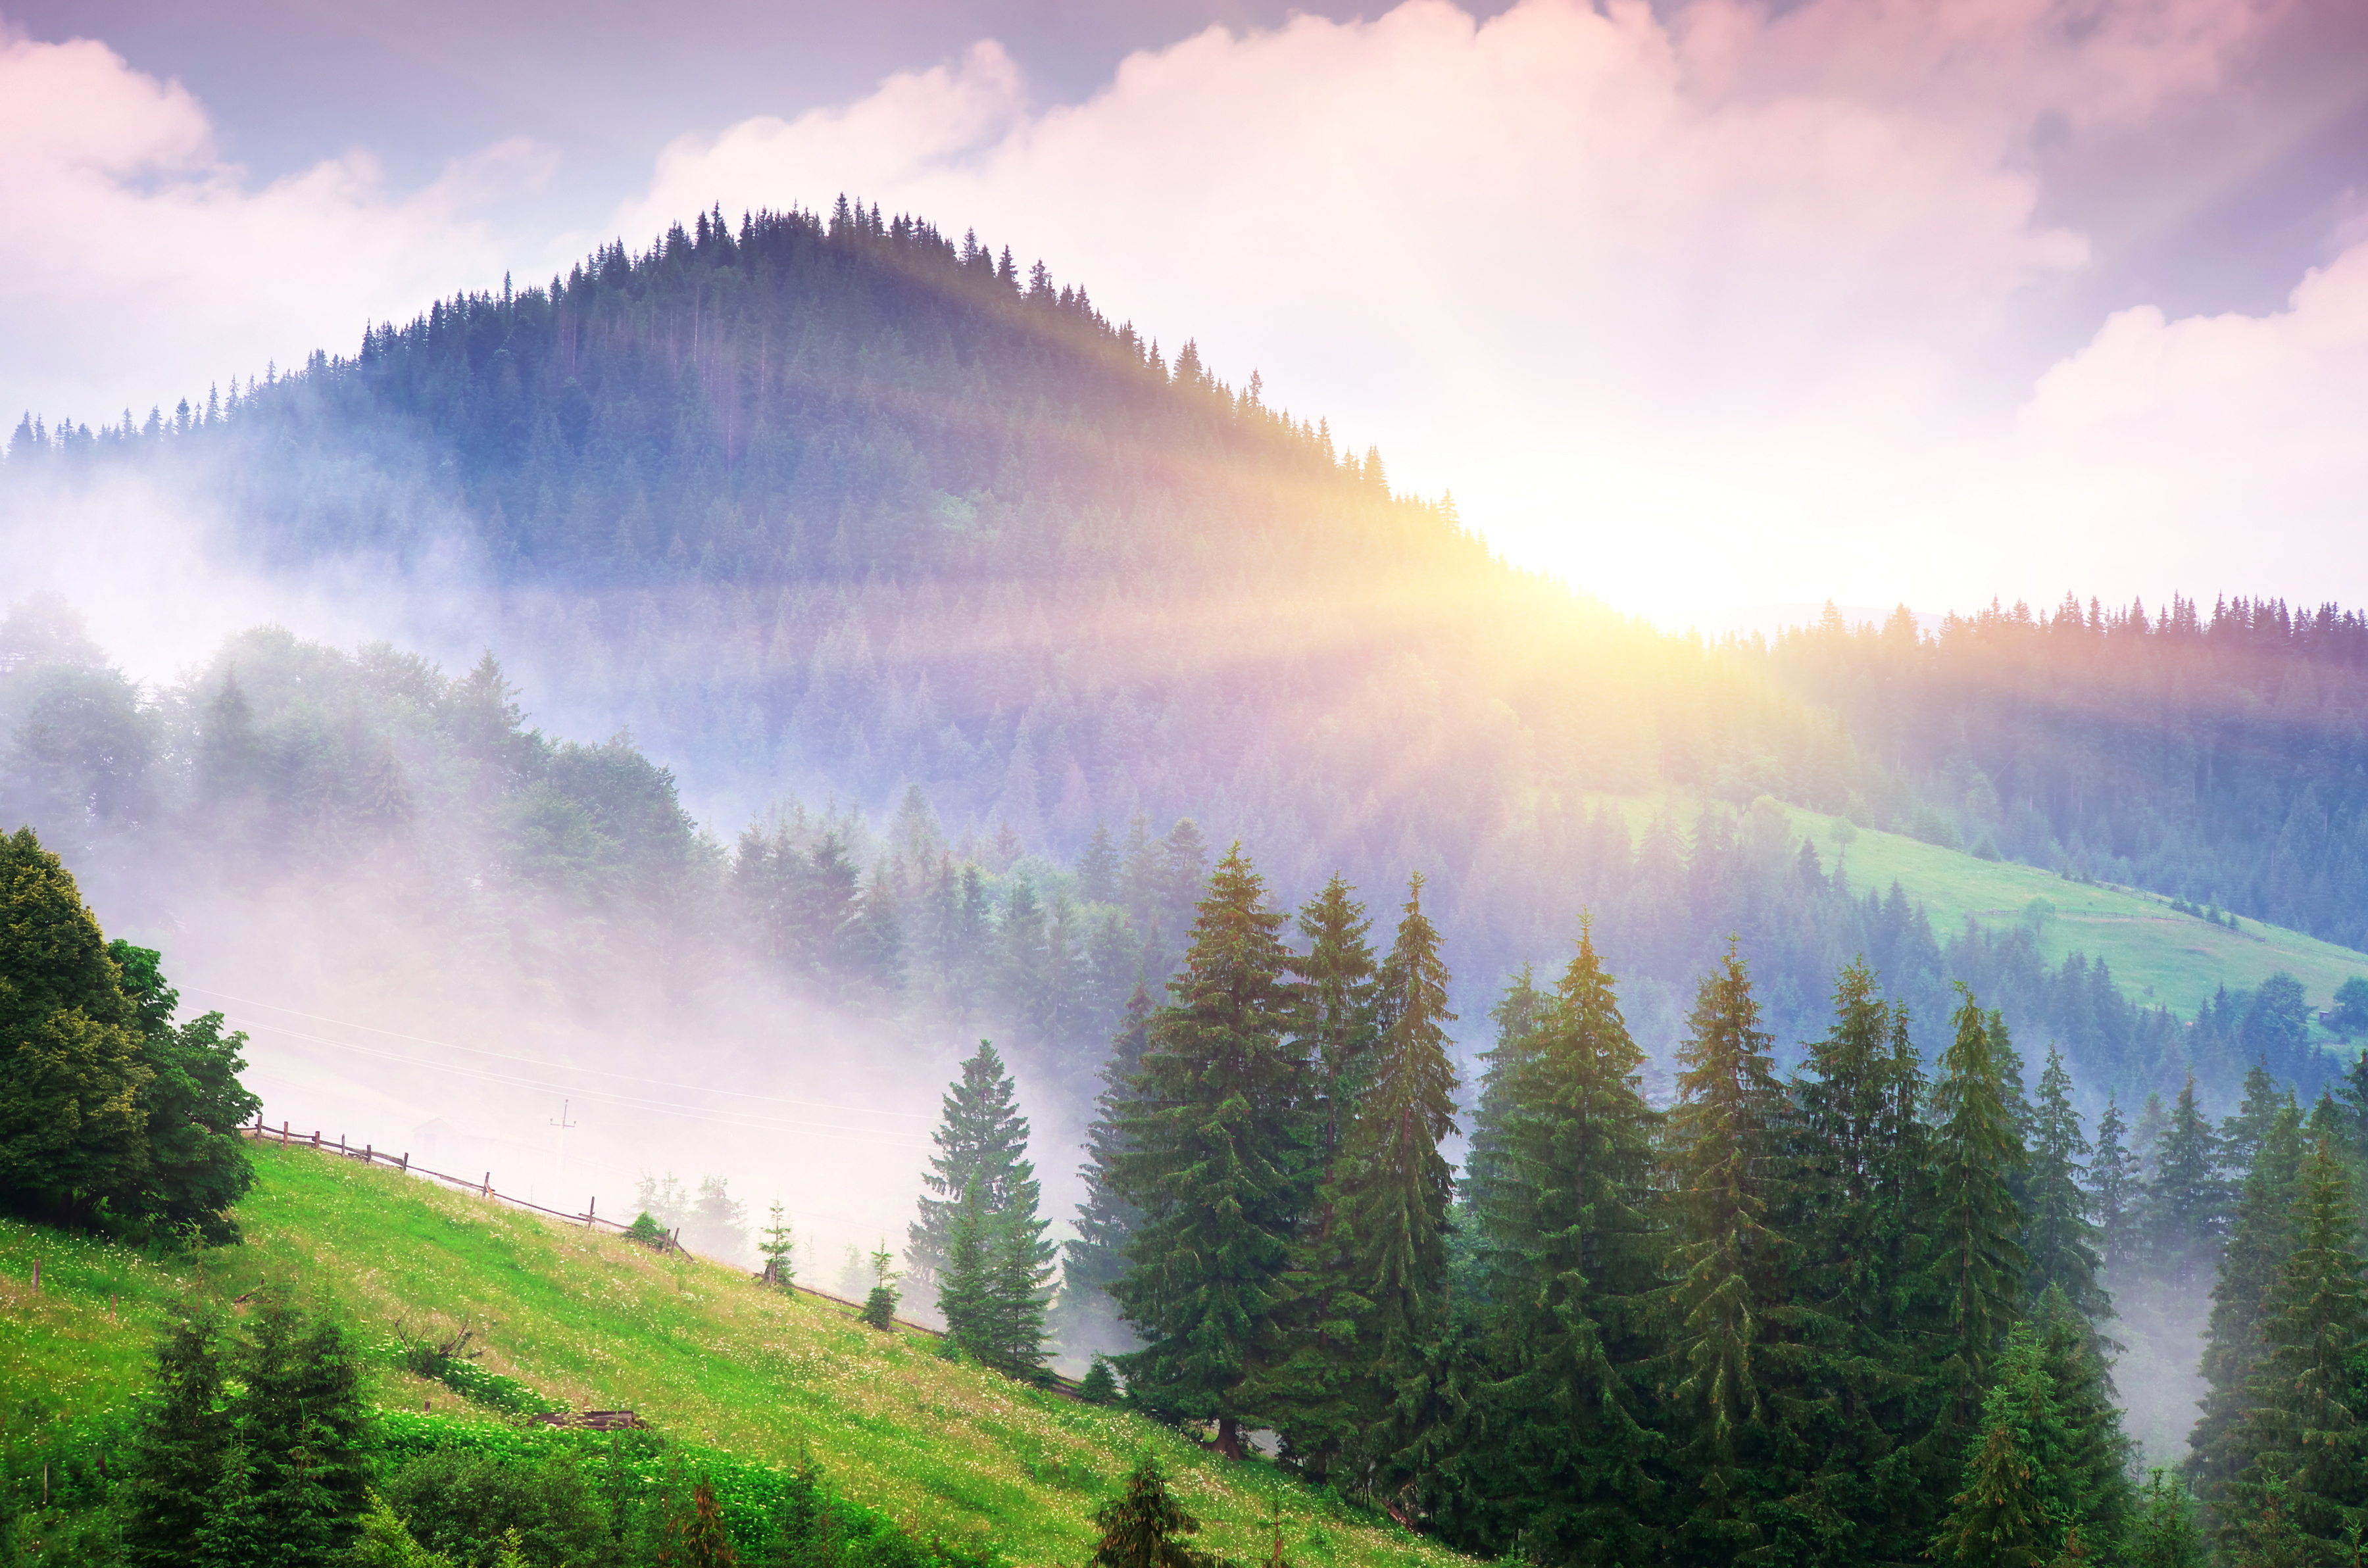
(847, 509)
(693, 1346)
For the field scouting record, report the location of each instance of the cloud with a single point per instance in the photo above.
(1700, 307)
(138, 265)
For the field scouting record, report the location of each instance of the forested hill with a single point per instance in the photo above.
(2219, 756)
(846, 506)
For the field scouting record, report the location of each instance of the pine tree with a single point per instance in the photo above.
(1092, 1260)
(2012, 1512)
(1729, 1302)
(777, 1247)
(1221, 1140)
(181, 1436)
(1140, 1526)
(1571, 1259)
(880, 1306)
(2242, 1135)
(1018, 1287)
(1338, 992)
(965, 1285)
(1389, 1194)
(2060, 1237)
(2115, 1189)
(1857, 1139)
(2306, 1481)
(1098, 867)
(2164, 1534)
(300, 1424)
(71, 1130)
(980, 1138)
(2092, 1465)
(1516, 1016)
(1977, 1267)
(2186, 1202)
(2260, 1242)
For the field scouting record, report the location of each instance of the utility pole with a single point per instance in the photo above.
(563, 1124)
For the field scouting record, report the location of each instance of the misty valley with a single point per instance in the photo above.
(1076, 977)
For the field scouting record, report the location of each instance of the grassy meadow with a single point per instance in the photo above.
(698, 1349)
(2158, 953)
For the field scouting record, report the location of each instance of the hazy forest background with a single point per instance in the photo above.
(884, 644)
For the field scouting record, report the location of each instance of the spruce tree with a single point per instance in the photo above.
(1140, 1526)
(2186, 1200)
(1018, 1287)
(965, 1283)
(1571, 1258)
(2260, 1242)
(1336, 991)
(2305, 1484)
(181, 1436)
(2059, 1236)
(2115, 1188)
(778, 1245)
(1390, 1189)
(2013, 1511)
(1314, 1379)
(2164, 1534)
(1221, 1140)
(980, 1139)
(72, 1126)
(1977, 1267)
(1516, 1016)
(880, 1306)
(1729, 1304)
(1092, 1260)
(2093, 1468)
(2242, 1135)
(300, 1425)
(1857, 1142)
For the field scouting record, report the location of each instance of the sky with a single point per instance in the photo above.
(1702, 305)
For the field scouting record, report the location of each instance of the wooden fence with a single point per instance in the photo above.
(590, 1220)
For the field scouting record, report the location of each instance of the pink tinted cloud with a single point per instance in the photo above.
(137, 265)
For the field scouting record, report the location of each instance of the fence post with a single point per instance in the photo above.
(283, 1133)
(591, 1209)
(406, 1162)
(368, 1154)
(341, 1142)
(316, 1138)
(489, 1185)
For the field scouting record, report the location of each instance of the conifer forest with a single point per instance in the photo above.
(1418, 1035)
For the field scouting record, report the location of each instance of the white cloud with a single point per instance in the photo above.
(138, 265)
(1701, 307)
(1695, 309)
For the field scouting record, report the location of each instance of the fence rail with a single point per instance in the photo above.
(590, 1220)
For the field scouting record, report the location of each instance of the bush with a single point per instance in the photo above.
(647, 1231)
(880, 1308)
(460, 1505)
(1101, 1385)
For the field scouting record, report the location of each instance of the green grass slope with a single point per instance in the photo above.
(695, 1346)
(2158, 953)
